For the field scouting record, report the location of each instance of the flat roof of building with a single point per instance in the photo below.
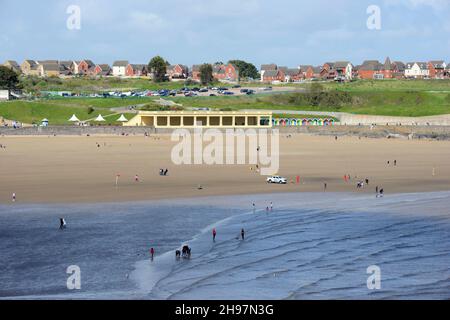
(200, 112)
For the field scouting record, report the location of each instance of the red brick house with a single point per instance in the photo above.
(102, 70)
(328, 71)
(177, 71)
(86, 67)
(267, 67)
(309, 72)
(227, 72)
(293, 75)
(274, 75)
(136, 70)
(370, 69)
(437, 69)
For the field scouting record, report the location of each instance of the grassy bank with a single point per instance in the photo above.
(34, 112)
(389, 103)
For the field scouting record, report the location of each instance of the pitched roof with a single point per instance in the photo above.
(266, 67)
(66, 64)
(89, 63)
(292, 72)
(271, 73)
(400, 65)
(284, 69)
(440, 64)
(196, 67)
(11, 63)
(341, 64)
(104, 66)
(48, 61)
(120, 63)
(422, 65)
(33, 64)
(50, 66)
(370, 65)
(137, 67)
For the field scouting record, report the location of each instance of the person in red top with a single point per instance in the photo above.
(214, 234)
(152, 252)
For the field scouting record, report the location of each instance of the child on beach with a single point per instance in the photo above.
(152, 253)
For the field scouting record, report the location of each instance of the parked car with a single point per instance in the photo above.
(276, 179)
(244, 90)
(250, 92)
(236, 86)
(212, 95)
(228, 93)
(203, 90)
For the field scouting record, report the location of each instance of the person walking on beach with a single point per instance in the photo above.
(243, 234)
(381, 193)
(271, 205)
(376, 191)
(62, 223)
(152, 253)
(254, 207)
(14, 197)
(395, 163)
(325, 186)
(136, 178)
(214, 234)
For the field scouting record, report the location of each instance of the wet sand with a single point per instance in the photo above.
(73, 169)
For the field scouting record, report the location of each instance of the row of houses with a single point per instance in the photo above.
(339, 70)
(221, 72)
(345, 70)
(121, 68)
(331, 70)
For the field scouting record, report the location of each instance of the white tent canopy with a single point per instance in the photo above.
(74, 119)
(100, 118)
(122, 119)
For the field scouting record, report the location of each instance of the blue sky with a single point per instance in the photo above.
(287, 32)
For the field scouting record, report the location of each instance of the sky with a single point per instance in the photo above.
(286, 32)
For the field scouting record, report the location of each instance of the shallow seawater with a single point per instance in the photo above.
(311, 246)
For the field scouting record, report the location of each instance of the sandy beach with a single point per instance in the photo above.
(74, 169)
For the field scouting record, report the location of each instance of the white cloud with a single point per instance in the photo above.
(146, 20)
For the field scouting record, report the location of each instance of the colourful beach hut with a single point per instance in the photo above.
(283, 122)
(304, 122)
(326, 122)
(292, 122)
(320, 122)
(275, 122)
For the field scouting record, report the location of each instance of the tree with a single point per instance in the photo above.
(246, 69)
(8, 79)
(206, 74)
(158, 67)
